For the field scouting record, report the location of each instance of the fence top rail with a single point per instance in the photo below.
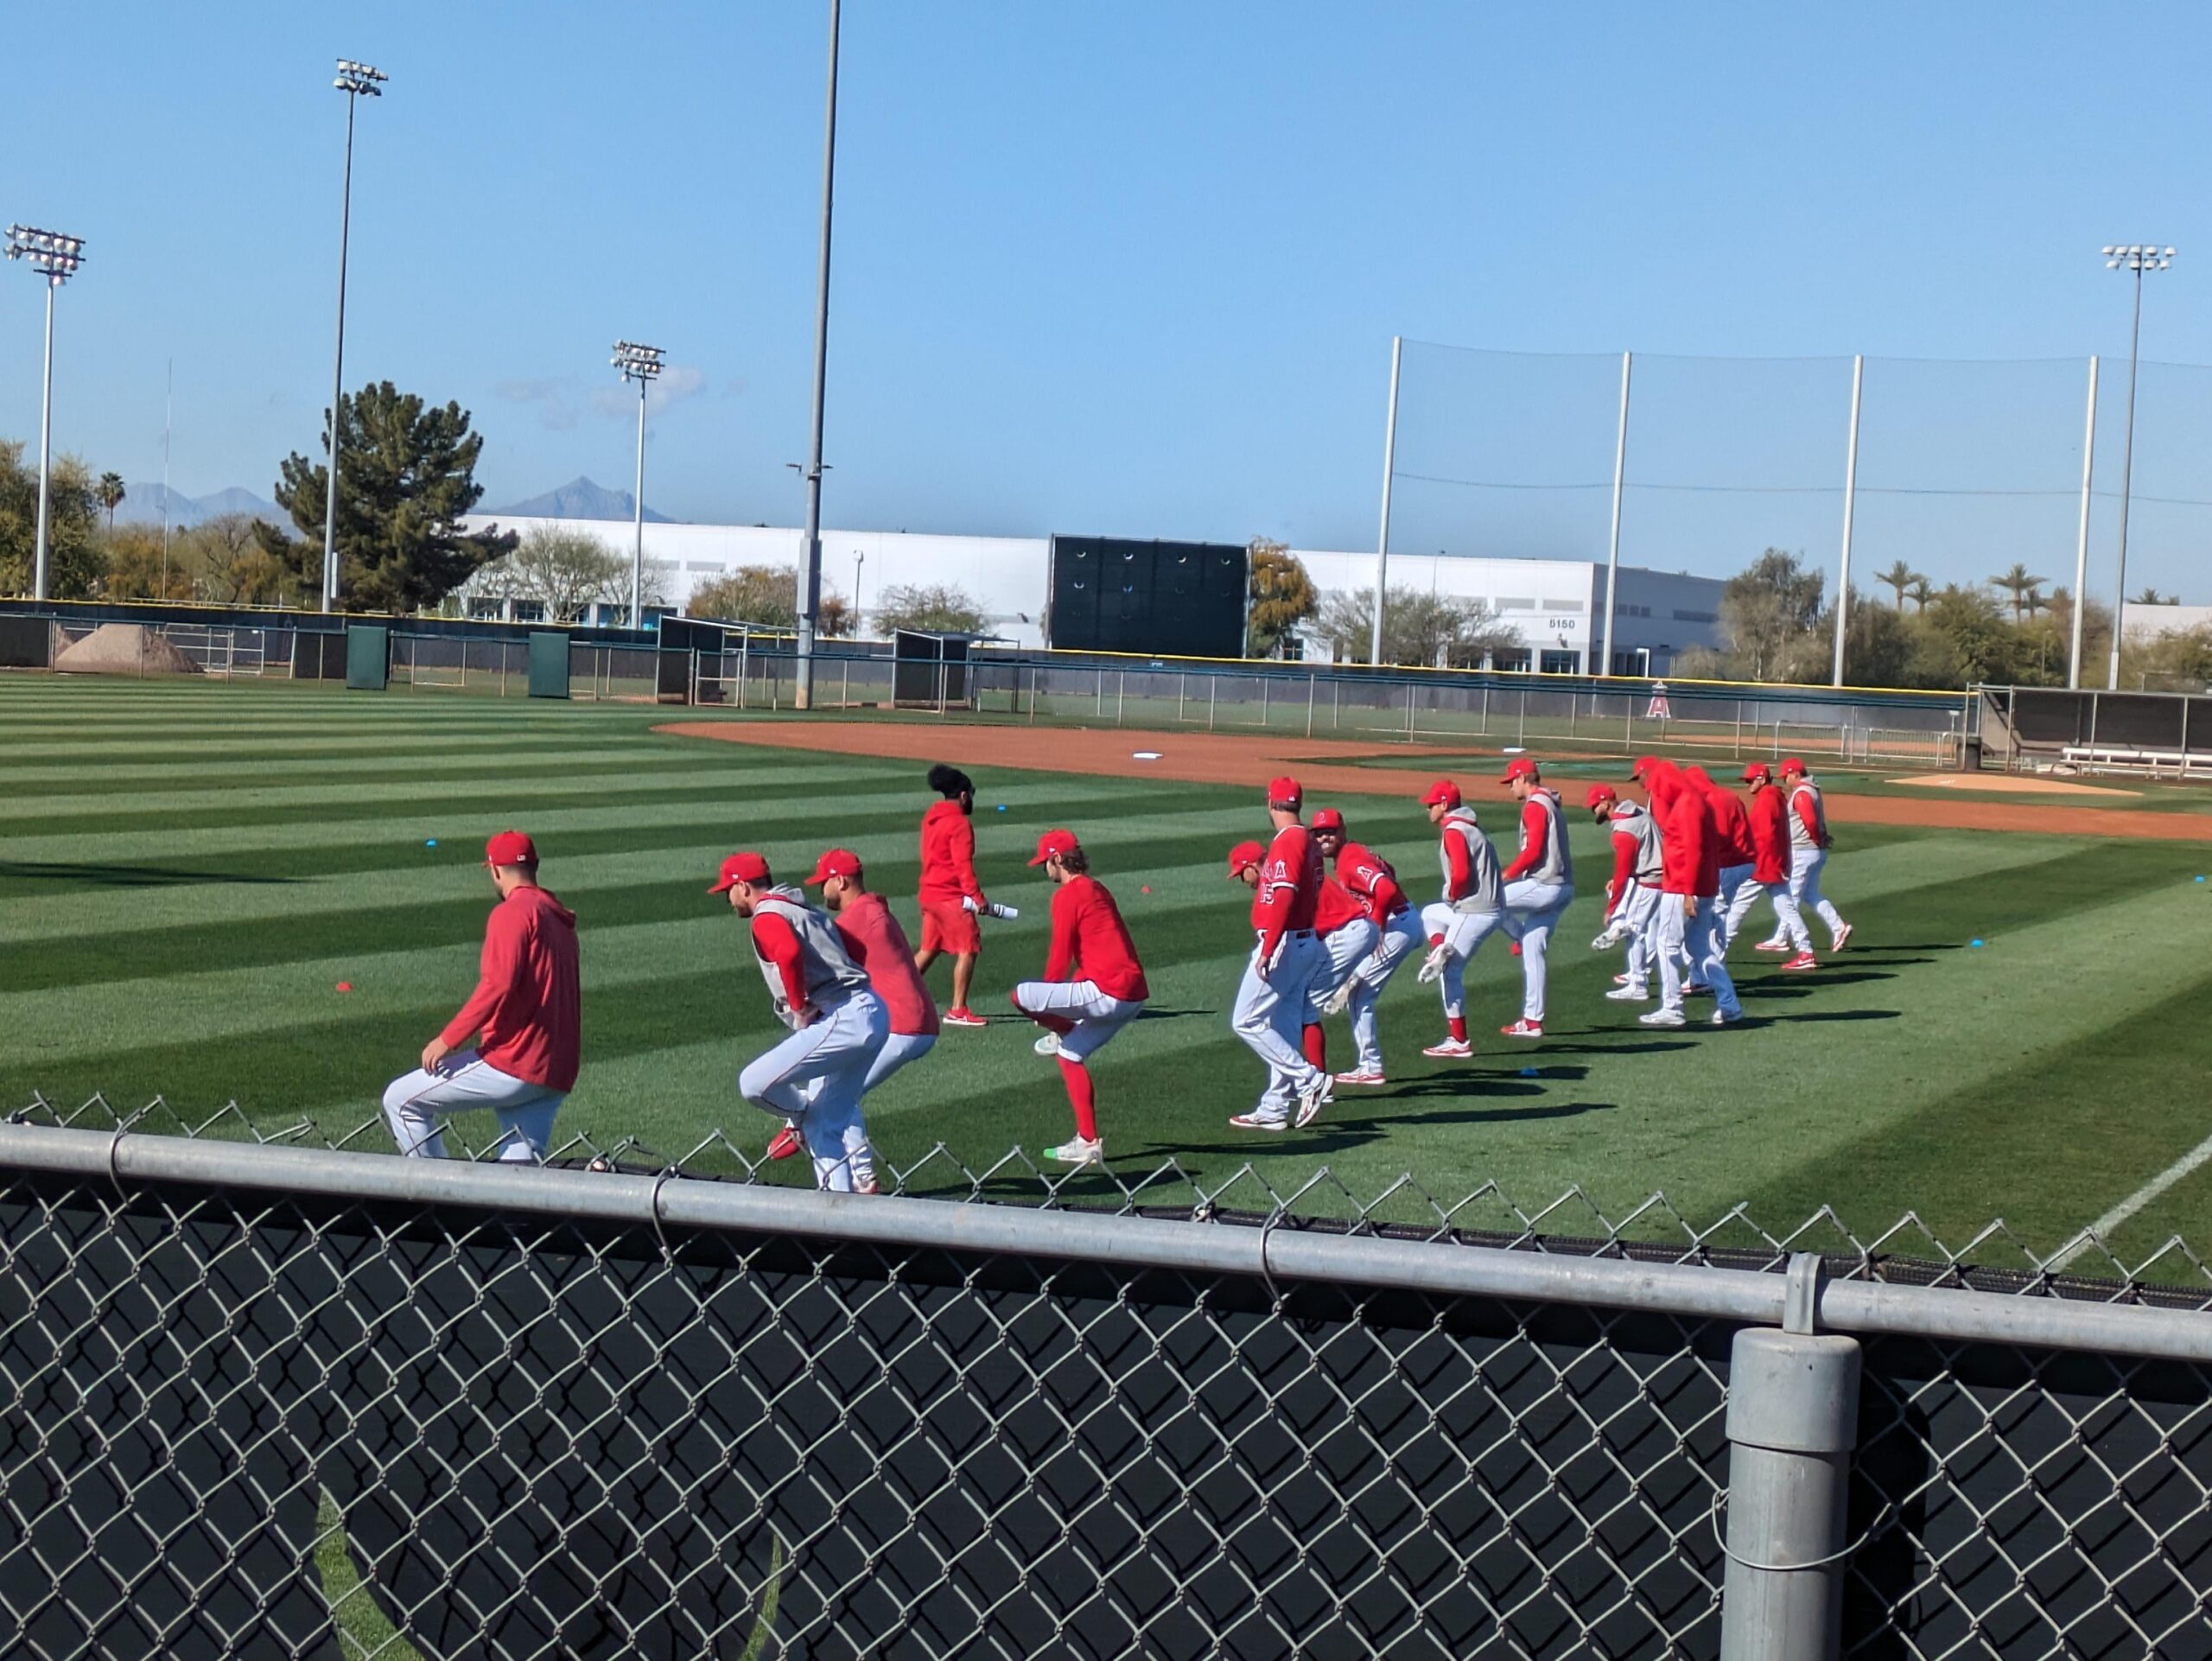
(1269, 1253)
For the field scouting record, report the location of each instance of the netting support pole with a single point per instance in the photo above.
(2081, 538)
(1793, 1421)
(1383, 537)
(1613, 550)
(1850, 501)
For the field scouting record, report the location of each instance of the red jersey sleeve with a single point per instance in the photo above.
(499, 968)
(1802, 804)
(1271, 905)
(1623, 869)
(1461, 872)
(960, 851)
(1062, 956)
(1371, 880)
(1535, 832)
(777, 943)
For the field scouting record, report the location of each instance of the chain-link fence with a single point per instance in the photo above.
(261, 1398)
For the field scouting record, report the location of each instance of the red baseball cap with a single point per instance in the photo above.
(1756, 773)
(1285, 789)
(1052, 843)
(838, 862)
(1328, 818)
(1791, 764)
(1443, 793)
(1244, 854)
(1521, 766)
(740, 868)
(1599, 795)
(511, 847)
(1644, 765)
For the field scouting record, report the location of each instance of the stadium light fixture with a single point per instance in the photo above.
(2135, 258)
(56, 258)
(357, 81)
(642, 365)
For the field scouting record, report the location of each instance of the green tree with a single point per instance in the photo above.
(110, 493)
(75, 563)
(1418, 629)
(562, 571)
(766, 594)
(2022, 587)
(1771, 616)
(1282, 596)
(408, 473)
(1921, 592)
(2152, 597)
(228, 565)
(1900, 578)
(138, 568)
(937, 607)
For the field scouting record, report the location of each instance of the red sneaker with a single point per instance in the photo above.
(1524, 1028)
(787, 1143)
(1803, 960)
(962, 1018)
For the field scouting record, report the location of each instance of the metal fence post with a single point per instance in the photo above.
(1412, 692)
(1520, 735)
(1793, 1421)
(1182, 688)
(1263, 700)
(1485, 709)
(1313, 691)
(1213, 696)
(1100, 713)
(1120, 696)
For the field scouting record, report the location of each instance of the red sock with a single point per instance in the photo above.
(1317, 1047)
(1436, 939)
(1076, 1077)
(1059, 1024)
(1460, 1028)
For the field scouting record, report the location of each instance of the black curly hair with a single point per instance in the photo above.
(949, 782)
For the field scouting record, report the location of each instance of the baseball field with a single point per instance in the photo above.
(270, 895)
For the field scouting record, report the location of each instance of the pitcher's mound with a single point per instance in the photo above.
(122, 649)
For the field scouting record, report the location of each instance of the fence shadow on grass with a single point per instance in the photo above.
(121, 876)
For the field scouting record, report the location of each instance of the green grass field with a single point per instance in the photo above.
(187, 872)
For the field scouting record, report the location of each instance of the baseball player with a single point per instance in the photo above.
(1632, 892)
(1274, 995)
(879, 945)
(1093, 986)
(1348, 939)
(1369, 878)
(952, 898)
(525, 1014)
(1690, 854)
(1539, 883)
(1472, 908)
(838, 1025)
(1809, 849)
(1769, 816)
(1739, 852)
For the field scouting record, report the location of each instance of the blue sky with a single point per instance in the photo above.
(1135, 268)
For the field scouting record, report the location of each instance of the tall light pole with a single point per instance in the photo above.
(641, 364)
(56, 259)
(809, 556)
(859, 558)
(2139, 257)
(357, 81)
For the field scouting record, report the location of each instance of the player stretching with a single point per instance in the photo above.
(1632, 892)
(838, 1026)
(1348, 937)
(1809, 849)
(1689, 852)
(1093, 986)
(952, 898)
(1539, 883)
(1272, 999)
(1472, 908)
(1368, 876)
(879, 945)
(1770, 816)
(524, 1014)
(1738, 854)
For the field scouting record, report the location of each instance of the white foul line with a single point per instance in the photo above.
(2143, 1196)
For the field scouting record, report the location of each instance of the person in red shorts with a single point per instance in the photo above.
(950, 896)
(873, 940)
(1093, 986)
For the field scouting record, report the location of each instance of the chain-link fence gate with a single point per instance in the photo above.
(269, 1400)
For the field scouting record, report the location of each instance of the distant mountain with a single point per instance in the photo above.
(580, 498)
(142, 504)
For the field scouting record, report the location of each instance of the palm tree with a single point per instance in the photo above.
(109, 493)
(2018, 583)
(2152, 597)
(1920, 593)
(1900, 578)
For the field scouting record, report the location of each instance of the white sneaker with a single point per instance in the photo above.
(1771, 945)
(1361, 1078)
(1048, 1044)
(1726, 1017)
(1609, 939)
(1453, 1048)
(1334, 1004)
(1628, 994)
(1255, 1122)
(1837, 938)
(1663, 1017)
(1312, 1100)
(1079, 1151)
(1432, 966)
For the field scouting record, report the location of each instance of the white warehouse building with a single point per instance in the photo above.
(1557, 607)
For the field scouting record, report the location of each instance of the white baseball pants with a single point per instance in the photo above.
(1096, 1016)
(415, 1101)
(1736, 893)
(1343, 950)
(815, 1077)
(1699, 935)
(1400, 938)
(899, 1048)
(1788, 925)
(1805, 866)
(1269, 1015)
(1463, 933)
(1639, 915)
(1532, 911)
